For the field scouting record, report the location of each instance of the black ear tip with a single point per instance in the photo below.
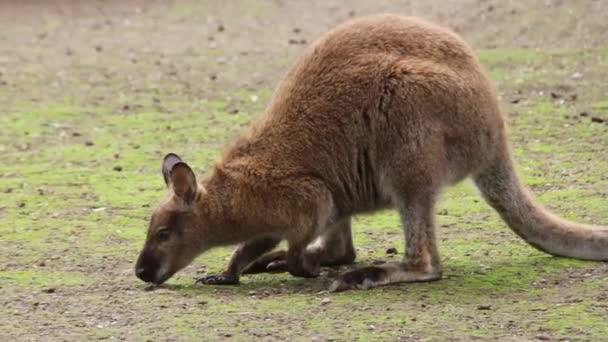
(172, 156)
(169, 162)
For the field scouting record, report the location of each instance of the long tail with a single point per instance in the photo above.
(503, 190)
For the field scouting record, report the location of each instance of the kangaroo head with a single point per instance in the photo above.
(176, 232)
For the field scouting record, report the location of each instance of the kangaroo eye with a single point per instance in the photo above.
(163, 234)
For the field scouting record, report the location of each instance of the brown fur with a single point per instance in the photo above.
(382, 111)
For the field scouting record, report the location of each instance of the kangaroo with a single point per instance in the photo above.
(380, 112)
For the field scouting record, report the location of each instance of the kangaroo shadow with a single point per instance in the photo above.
(465, 278)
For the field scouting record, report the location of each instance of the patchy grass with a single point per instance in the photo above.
(83, 130)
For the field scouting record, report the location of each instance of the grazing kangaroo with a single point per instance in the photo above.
(382, 111)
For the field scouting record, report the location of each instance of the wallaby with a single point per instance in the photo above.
(382, 111)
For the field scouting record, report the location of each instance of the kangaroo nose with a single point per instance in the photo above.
(141, 273)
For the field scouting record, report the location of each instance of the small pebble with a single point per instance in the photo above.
(325, 301)
(484, 307)
(391, 250)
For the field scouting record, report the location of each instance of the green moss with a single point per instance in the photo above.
(41, 278)
(497, 57)
(578, 320)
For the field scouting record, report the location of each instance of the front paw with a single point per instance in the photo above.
(218, 280)
(303, 272)
(363, 278)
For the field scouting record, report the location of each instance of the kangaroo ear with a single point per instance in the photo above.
(183, 182)
(168, 163)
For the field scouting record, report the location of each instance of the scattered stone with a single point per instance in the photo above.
(213, 77)
(597, 120)
(125, 107)
(49, 290)
(221, 28)
(543, 337)
(391, 250)
(232, 111)
(576, 76)
(484, 307)
(89, 143)
(252, 293)
(325, 301)
(21, 205)
(515, 101)
(584, 114)
(100, 209)
(203, 302)
(555, 96)
(117, 168)
(98, 48)
(76, 134)
(297, 41)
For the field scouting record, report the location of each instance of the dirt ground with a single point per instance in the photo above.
(94, 93)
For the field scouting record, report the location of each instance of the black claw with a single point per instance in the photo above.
(217, 280)
(277, 266)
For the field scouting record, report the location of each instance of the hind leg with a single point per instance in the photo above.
(421, 261)
(333, 248)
